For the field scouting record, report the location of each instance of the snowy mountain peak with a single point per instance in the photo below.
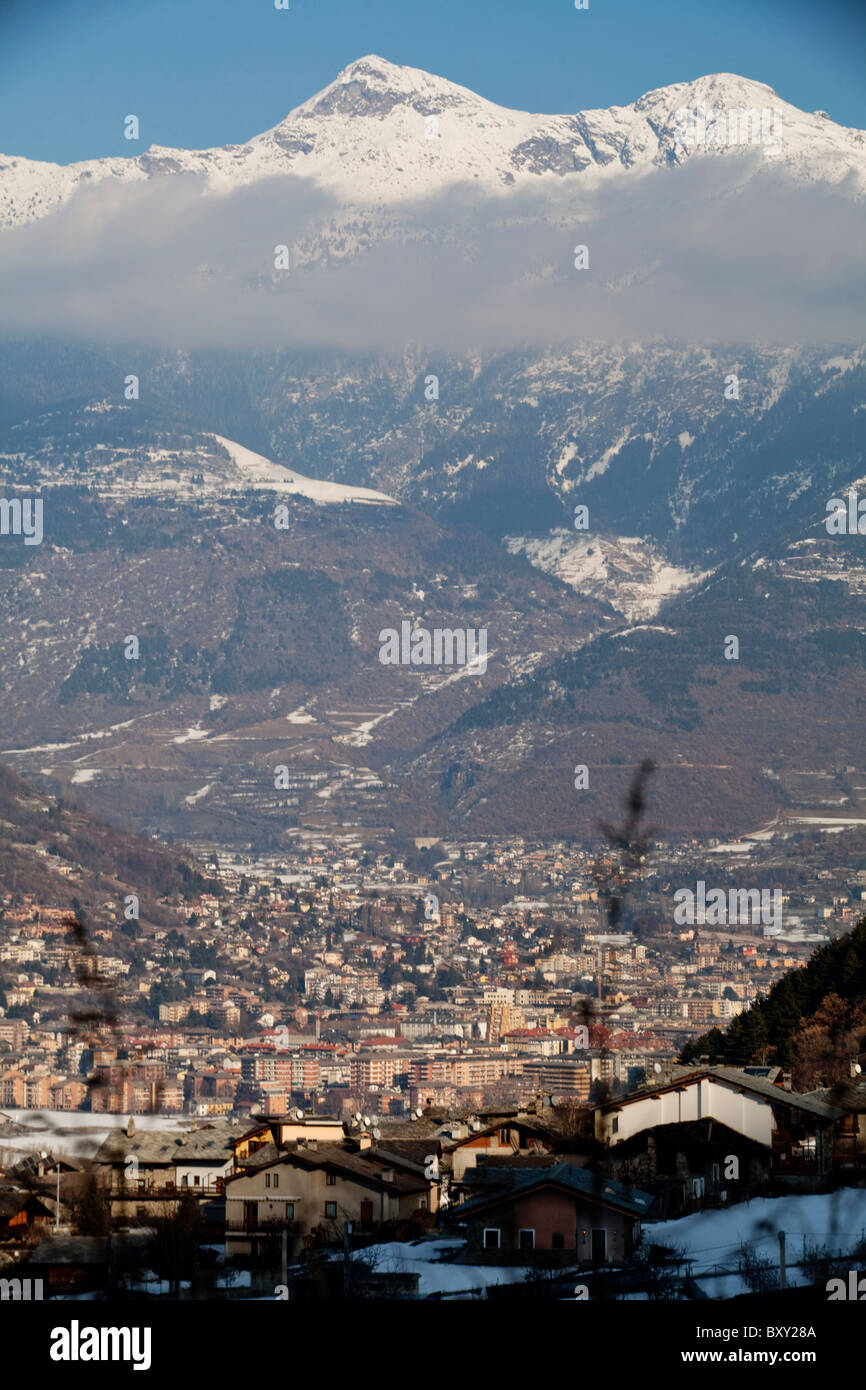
(372, 86)
(381, 134)
(722, 89)
(374, 71)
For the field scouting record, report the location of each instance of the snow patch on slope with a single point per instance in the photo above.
(625, 571)
(260, 472)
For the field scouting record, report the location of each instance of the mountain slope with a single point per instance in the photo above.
(380, 134)
(772, 733)
(60, 852)
(258, 647)
(705, 460)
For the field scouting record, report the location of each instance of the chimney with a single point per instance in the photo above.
(313, 1144)
(365, 1139)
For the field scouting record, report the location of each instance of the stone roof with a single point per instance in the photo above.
(211, 1142)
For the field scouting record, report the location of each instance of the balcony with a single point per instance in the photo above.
(251, 1227)
(161, 1192)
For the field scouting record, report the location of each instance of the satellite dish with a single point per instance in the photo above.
(857, 1068)
(377, 1134)
(299, 1114)
(366, 1119)
(418, 1113)
(358, 1116)
(365, 1122)
(657, 1068)
(413, 1117)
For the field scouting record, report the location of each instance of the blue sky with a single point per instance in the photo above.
(209, 72)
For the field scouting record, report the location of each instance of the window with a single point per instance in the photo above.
(331, 1210)
(557, 1241)
(331, 1180)
(196, 1181)
(276, 1179)
(290, 1211)
(267, 1179)
(491, 1237)
(505, 1136)
(614, 1127)
(526, 1240)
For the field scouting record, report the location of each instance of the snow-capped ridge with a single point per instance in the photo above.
(382, 134)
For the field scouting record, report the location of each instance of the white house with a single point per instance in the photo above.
(792, 1126)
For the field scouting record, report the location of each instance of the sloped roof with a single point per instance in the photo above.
(261, 1157)
(732, 1076)
(414, 1152)
(529, 1126)
(365, 1166)
(513, 1182)
(14, 1199)
(846, 1095)
(762, 1087)
(209, 1143)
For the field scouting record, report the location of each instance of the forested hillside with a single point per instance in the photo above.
(812, 1022)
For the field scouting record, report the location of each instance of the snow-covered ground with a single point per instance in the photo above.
(712, 1239)
(260, 472)
(192, 735)
(625, 571)
(300, 716)
(197, 796)
(430, 1259)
